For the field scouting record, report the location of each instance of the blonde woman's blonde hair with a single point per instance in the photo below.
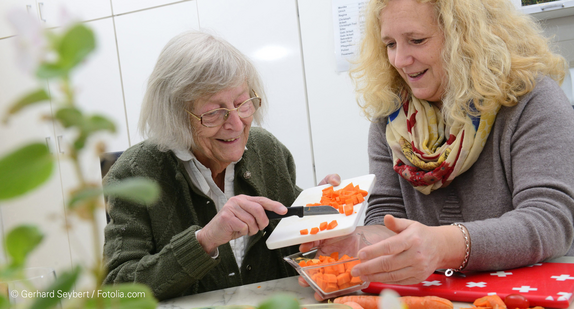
(492, 55)
(193, 65)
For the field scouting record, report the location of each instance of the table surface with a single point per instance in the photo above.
(254, 294)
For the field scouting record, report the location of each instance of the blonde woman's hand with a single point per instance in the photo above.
(410, 256)
(241, 215)
(332, 179)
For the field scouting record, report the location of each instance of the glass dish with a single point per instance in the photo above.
(309, 273)
(326, 285)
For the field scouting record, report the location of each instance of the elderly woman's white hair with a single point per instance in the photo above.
(193, 65)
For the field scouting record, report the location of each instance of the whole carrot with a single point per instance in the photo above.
(354, 305)
(413, 302)
(426, 302)
(365, 301)
(492, 301)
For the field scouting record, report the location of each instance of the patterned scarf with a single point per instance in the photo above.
(421, 153)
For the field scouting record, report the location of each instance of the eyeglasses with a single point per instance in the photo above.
(218, 116)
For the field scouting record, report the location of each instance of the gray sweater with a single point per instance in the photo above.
(517, 200)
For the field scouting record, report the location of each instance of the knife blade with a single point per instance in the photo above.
(302, 211)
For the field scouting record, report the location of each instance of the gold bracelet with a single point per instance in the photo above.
(449, 272)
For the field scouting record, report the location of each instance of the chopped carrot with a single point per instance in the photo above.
(314, 230)
(332, 225)
(349, 210)
(304, 231)
(323, 226)
(355, 281)
(350, 195)
(343, 278)
(332, 276)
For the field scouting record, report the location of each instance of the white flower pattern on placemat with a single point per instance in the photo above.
(564, 295)
(501, 274)
(431, 283)
(562, 277)
(476, 284)
(524, 289)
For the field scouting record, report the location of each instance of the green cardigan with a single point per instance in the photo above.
(156, 245)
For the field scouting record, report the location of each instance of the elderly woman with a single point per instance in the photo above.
(217, 175)
(470, 140)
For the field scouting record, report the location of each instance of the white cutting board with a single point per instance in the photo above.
(287, 232)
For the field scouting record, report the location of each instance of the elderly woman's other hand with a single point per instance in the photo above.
(241, 215)
(332, 179)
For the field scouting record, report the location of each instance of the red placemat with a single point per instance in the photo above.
(544, 284)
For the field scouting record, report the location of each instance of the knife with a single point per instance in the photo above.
(301, 211)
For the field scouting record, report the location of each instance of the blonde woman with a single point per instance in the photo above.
(471, 140)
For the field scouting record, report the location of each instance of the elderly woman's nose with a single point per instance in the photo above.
(233, 120)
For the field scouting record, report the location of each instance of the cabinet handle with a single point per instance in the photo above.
(48, 145)
(28, 8)
(552, 7)
(41, 9)
(60, 144)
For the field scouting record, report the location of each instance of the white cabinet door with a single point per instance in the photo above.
(336, 119)
(141, 37)
(7, 6)
(54, 13)
(268, 33)
(126, 6)
(98, 90)
(43, 207)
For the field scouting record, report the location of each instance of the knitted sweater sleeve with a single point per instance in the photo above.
(130, 251)
(535, 147)
(386, 196)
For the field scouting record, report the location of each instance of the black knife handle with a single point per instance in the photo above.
(291, 211)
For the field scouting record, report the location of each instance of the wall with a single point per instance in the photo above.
(561, 30)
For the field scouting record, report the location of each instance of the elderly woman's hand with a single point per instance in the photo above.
(332, 179)
(412, 254)
(241, 215)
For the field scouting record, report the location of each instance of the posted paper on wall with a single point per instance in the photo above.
(348, 29)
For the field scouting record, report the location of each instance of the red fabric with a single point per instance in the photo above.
(544, 284)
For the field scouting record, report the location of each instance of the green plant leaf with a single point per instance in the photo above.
(36, 96)
(75, 45)
(25, 169)
(20, 241)
(51, 70)
(123, 296)
(100, 123)
(63, 283)
(82, 195)
(70, 116)
(137, 189)
(4, 302)
(80, 142)
(280, 301)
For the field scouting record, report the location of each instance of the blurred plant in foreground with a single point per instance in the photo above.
(53, 56)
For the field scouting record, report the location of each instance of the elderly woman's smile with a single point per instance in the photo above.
(216, 147)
